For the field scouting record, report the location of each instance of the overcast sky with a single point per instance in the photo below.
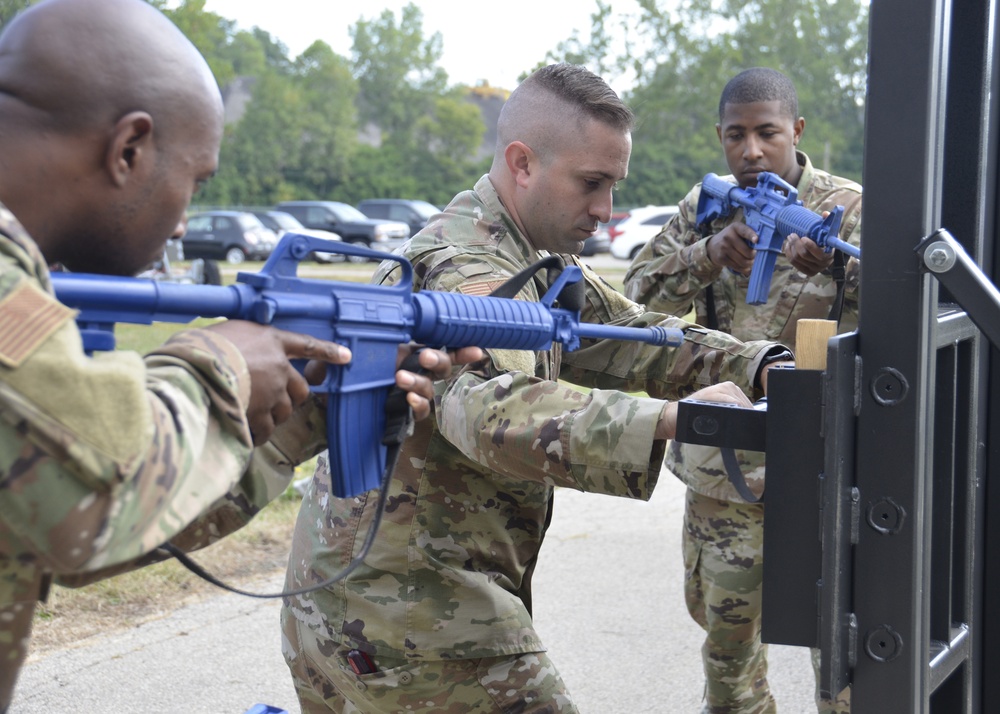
(481, 41)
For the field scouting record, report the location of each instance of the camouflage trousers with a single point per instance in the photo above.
(723, 568)
(514, 684)
(21, 587)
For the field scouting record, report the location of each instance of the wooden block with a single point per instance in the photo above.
(811, 337)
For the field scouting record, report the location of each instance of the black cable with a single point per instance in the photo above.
(186, 560)
(399, 424)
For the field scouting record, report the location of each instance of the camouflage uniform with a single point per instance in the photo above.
(103, 459)
(443, 601)
(723, 535)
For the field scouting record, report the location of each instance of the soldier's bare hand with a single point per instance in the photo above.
(725, 392)
(276, 387)
(729, 249)
(438, 364)
(805, 255)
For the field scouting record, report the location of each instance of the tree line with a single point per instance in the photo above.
(386, 122)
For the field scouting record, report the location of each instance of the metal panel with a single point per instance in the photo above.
(930, 161)
(904, 136)
(792, 553)
(840, 516)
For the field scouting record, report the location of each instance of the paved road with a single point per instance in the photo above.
(608, 603)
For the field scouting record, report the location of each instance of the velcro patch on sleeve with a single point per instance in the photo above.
(28, 316)
(481, 287)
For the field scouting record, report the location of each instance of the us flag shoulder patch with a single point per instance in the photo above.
(481, 288)
(28, 316)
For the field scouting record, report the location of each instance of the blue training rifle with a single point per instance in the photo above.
(371, 320)
(773, 210)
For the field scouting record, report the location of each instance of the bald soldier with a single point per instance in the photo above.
(438, 617)
(109, 121)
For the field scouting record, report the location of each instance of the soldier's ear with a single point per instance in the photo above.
(797, 128)
(130, 150)
(520, 162)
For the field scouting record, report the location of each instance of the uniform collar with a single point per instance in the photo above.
(808, 172)
(22, 247)
(512, 241)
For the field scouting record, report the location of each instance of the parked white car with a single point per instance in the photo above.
(633, 232)
(281, 223)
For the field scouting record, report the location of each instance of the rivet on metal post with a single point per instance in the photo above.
(939, 257)
(886, 516)
(889, 387)
(883, 644)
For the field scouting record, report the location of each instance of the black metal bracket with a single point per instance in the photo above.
(947, 260)
(718, 424)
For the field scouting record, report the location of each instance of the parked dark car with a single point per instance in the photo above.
(412, 212)
(232, 235)
(349, 223)
(282, 223)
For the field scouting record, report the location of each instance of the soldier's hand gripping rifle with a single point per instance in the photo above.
(773, 214)
(372, 320)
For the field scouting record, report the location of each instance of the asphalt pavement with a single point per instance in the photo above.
(608, 602)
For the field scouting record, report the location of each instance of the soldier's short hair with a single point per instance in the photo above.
(547, 94)
(584, 89)
(760, 84)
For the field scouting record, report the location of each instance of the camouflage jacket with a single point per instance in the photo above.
(103, 459)
(671, 273)
(449, 573)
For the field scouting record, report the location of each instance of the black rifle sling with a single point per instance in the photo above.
(838, 272)
(398, 425)
(711, 318)
(571, 298)
(733, 472)
(735, 476)
(513, 286)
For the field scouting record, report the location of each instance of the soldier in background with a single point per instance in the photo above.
(438, 616)
(707, 267)
(109, 120)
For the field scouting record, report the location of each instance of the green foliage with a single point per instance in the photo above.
(9, 8)
(820, 44)
(436, 156)
(210, 33)
(682, 52)
(427, 133)
(396, 68)
(377, 173)
(260, 155)
(597, 52)
(327, 139)
(384, 122)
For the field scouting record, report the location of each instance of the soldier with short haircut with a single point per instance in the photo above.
(707, 267)
(109, 121)
(438, 616)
